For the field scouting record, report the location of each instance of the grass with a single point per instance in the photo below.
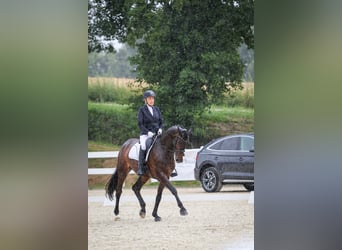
(102, 89)
(223, 120)
(109, 93)
(114, 82)
(224, 113)
(96, 186)
(118, 82)
(243, 97)
(101, 146)
(177, 184)
(107, 106)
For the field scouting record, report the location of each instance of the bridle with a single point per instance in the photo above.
(176, 142)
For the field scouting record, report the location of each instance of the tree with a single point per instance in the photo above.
(112, 64)
(100, 64)
(188, 50)
(247, 58)
(106, 23)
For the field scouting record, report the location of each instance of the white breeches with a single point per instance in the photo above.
(143, 139)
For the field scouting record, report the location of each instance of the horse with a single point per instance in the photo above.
(167, 147)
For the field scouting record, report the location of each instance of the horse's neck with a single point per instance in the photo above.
(166, 141)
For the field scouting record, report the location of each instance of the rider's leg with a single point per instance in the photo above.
(142, 155)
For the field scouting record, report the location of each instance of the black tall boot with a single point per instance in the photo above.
(141, 165)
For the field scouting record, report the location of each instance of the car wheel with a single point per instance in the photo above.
(249, 186)
(210, 180)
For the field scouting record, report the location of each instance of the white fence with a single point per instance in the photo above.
(185, 169)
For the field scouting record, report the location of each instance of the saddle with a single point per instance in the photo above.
(135, 149)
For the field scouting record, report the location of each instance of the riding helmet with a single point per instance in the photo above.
(149, 93)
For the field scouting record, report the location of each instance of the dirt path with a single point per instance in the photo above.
(222, 220)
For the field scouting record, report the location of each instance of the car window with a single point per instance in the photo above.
(247, 143)
(231, 144)
(217, 146)
(227, 144)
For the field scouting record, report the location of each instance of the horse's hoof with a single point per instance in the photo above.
(183, 212)
(157, 218)
(142, 214)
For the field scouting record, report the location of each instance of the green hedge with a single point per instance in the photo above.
(114, 123)
(111, 123)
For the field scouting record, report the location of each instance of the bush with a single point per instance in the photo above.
(111, 123)
(240, 98)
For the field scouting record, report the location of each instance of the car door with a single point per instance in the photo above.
(227, 159)
(246, 157)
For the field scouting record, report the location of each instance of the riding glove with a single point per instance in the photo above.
(150, 134)
(160, 131)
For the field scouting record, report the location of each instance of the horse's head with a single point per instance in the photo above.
(175, 139)
(181, 139)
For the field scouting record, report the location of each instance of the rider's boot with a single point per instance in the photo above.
(141, 167)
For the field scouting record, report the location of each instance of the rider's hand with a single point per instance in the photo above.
(160, 131)
(150, 134)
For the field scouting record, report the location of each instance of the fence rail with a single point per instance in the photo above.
(185, 169)
(103, 154)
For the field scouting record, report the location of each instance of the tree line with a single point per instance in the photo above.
(187, 51)
(103, 64)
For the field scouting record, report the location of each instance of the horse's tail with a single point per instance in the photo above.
(111, 185)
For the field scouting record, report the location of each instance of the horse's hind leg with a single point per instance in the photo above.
(136, 188)
(121, 178)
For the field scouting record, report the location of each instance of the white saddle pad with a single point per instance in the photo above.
(134, 152)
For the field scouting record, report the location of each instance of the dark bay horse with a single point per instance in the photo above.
(161, 162)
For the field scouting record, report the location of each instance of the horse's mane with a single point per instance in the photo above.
(174, 127)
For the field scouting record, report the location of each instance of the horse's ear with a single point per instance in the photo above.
(179, 130)
(189, 134)
(183, 132)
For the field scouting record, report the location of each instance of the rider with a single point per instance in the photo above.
(150, 122)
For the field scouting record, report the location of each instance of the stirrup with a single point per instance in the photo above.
(173, 174)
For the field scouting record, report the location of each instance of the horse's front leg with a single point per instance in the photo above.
(156, 205)
(174, 192)
(136, 188)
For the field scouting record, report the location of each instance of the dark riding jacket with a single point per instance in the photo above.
(147, 122)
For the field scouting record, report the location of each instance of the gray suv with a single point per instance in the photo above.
(226, 160)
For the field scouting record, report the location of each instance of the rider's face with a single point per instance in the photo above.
(150, 100)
